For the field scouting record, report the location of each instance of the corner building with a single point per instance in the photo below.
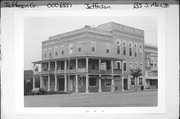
(92, 59)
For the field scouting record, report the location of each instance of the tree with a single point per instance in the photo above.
(135, 73)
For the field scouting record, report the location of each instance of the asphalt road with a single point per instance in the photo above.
(125, 99)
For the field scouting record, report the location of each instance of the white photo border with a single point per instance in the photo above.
(19, 65)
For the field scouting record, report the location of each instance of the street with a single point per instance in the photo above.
(105, 99)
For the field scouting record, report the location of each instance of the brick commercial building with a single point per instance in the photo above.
(89, 59)
(151, 66)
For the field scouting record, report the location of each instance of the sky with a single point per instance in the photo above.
(38, 29)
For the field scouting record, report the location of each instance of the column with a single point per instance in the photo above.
(99, 65)
(41, 81)
(122, 79)
(87, 83)
(112, 81)
(65, 83)
(76, 83)
(122, 85)
(65, 66)
(112, 67)
(48, 82)
(100, 84)
(48, 76)
(55, 87)
(55, 77)
(87, 65)
(112, 84)
(34, 76)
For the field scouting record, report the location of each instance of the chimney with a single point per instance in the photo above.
(87, 26)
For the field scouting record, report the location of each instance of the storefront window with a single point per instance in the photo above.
(132, 81)
(92, 81)
(140, 81)
(108, 82)
(80, 81)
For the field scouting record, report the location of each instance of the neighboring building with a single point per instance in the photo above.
(28, 81)
(92, 59)
(151, 59)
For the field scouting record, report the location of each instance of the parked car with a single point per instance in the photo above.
(38, 91)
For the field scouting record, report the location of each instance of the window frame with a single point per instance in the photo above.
(131, 67)
(79, 45)
(71, 48)
(124, 45)
(133, 81)
(106, 82)
(62, 49)
(108, 46)
(124, 65)
(93, 46)
(90, 79)
(130, 49)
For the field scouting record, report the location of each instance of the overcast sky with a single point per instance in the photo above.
(38, 29)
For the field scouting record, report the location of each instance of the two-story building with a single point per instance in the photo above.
(151, 66)
(92, 59)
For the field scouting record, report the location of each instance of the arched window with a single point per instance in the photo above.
(130, 49)
(135, 50)
(124, 48)
(118, 42)
(140, 50)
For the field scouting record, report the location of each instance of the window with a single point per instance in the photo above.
(124, 48)
(124, 66)
(107, 47)
(93, 46)
(135, 65)
(50, 55)
(136, 50)
(132, 81)
(130, 49)
(80, 81)
(118, 49)
(130, 65)
(44, 53)
(140, 81)
(70, 48)
(140, 51)
(118, 42)
(62, 49)
(92, 81)
(108, 82)
(141, 66)
(55, 51)
(118, 65)
(79, 45)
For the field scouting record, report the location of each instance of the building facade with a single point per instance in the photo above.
(92, 59)
(151, 66)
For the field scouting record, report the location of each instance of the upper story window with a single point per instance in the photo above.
(79, 46)
(130, 49)
(135, 65)
(124, 66)
(62, 49)
(140, 50)
(55, 51)
(50, 52)
(124, 48)
(136, 50)
(107, 48)
(130, 65)
(141, 66)
(93, 46)
(44, 53)
(70, 48)
(118, 46)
